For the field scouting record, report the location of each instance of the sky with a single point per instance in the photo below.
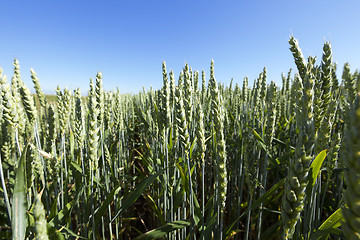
(68, 42)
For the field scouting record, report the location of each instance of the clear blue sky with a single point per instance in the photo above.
(67, 42)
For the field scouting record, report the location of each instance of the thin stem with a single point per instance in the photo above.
(5, 191)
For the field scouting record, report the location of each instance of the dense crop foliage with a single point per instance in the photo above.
(192, 160)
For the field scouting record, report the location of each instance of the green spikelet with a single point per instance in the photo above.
(181, 122)
(237, 99)
(326, 74)
(335, 80)
(172, 89)
(323, 135)
(6, 154)
(165, 93)
(28, 103)
(196, 82)
(108, 156)
(37, 87)
(51, 128)
(349, 83)
(256, 92)
(333, 154)
(10, 107)
(181, 79)
(322, 120)
(16, 78)
(287, 84)
(99, 92)
(66, 106)
(61, 110)
(15, 85)
(203, 86)
(245, 90)
(5, 140)
(263, 85)
(52, 164)
(79, 120)
(30, 172)
(93, 133)
(351, 212)
(158, 114)
(116, 109)
(271, 113)
(188, 95)
(36, 164)
(298, 56)
(108, 117)
(218, 119)
(296, 93)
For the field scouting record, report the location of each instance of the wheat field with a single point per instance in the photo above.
(193, 160)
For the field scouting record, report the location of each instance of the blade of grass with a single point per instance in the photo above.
(163, 230)
(136, 193)
(99, 213)
(316, 165)
(19, 219)
(330, 224)
(263, 199)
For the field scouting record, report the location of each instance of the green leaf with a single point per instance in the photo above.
(69, 233)
(141, 115)
(197, 209)
(63, 214)
(136, 193)
(266, 197)
(57, 224)
(53, 210)
(99, 213)
(178, 194)
(53, 233)
(258, 136)
(329, 226)
(262, 144)
(77, 167)
(263, 199)
(284, 144)
(183, 176)
(155, 208)
(163, 230)
(316, 165)
(18, 218)
(206, 232)
(192, 147)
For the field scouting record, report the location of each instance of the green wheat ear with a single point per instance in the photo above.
(165, 99)
(351, 211)
(10, 107)
(297, 180)
(349, 82)
(28, 103)
(39, 92)
(79, 119)
(218, 119)
(99, 93)
(298, 56)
